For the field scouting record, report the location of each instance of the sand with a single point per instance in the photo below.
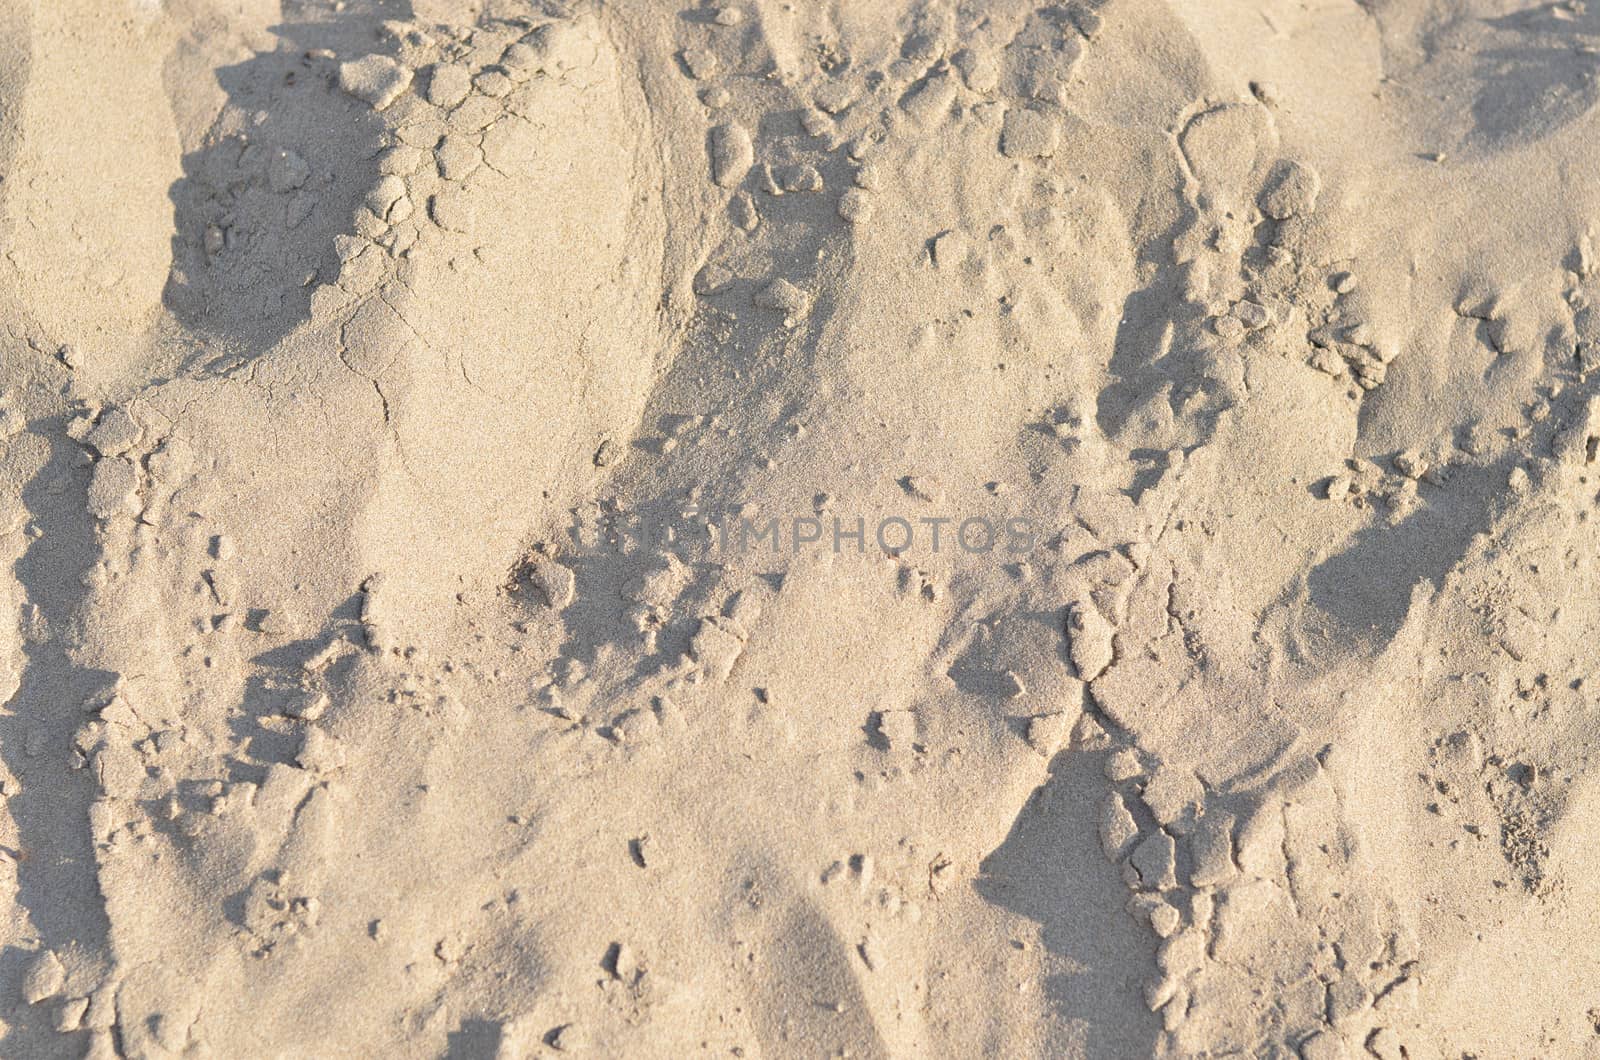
(870, 528)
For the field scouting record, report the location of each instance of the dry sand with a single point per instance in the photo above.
(352, 710)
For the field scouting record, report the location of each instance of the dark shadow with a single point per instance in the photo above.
(1366, 589)
(1139, 365)
(980, 681)
(473, 1040)
(1364, 592)
(1528, 92)
(1051, 870)
(57, 875)
(260, 204)
(279, 682)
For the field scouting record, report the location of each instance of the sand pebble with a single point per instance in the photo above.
(448, 84)
(1324, 1045)
(1047, 732)
(1211, 850)
(1253, 315)
(115, 434)
(799, 178)
(44, 978)
(310, 707)
(387, 200)
(376, 80)
(701, 63)
(493, 83)
(1118, 829)
(1170, 793)
(784, 297)
(1029, 133)
(978, 70)
(732, 154)
(520, 60)
(556, 584)
(457, 157)
(932, 100)
(563, 46)
(1089, 638)
(68, 1016)
(1165, 920)
(1087, 19)
(113, 488)
(949, 249)
(714, 278)
(79, 426)
(1292, 190)
(319, 752)
(1155, 860)
(855, 206)
(1328, 363)
(637, 727)
(1123, 764)
(1410, 463)
(742, 211)
(922, 48)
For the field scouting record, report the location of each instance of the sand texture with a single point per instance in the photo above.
(800, 528)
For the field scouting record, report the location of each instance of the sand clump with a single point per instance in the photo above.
(876, 529)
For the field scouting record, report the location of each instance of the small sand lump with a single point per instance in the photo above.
(1029, 134)
(1291, 191)
(377, 80)
(732, 155)
(555, 583)
(44, 979)
(448, 85)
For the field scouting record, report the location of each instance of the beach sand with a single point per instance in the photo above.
(799, 528)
